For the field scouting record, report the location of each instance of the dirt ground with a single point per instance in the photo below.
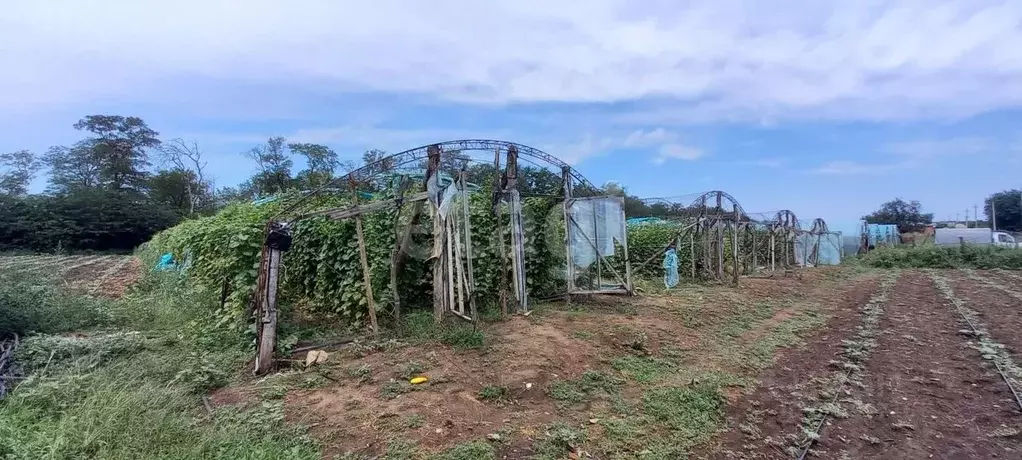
(775, 347)
(363, 402)
(101, 275)
(761, 424)
(934, 395)
(1000, 313)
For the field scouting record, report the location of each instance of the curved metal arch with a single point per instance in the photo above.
(785, 219)
(819, 226)
(482, 145)
(716, 200)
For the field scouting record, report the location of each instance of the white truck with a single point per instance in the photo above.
(975, 236)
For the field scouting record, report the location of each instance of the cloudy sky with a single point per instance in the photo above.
(826, 108)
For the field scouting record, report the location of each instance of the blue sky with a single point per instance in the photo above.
(825, 108)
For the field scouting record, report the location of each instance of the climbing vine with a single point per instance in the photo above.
(322, 273)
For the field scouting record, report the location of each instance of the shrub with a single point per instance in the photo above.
(27, 305)
(930, 256)
(323, 270)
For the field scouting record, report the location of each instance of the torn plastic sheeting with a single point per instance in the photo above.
(598, 223)
(829, 248)
(671, 276)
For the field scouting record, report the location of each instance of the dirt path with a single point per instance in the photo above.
(934, 397)
(759, 426)
(1000, 313)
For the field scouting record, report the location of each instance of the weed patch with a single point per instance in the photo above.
(477, 450)
(692, 414)
(644, 369)
(494, 393)
(589, 384)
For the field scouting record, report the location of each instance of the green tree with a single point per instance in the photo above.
(187, 157)
(73, 168)
(274, 162)
(1009, 209)
(181, 191)
(320, 163)
(120, 145)
(19, 168)
(907, 215)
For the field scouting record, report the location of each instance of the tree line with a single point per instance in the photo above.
(121, 183)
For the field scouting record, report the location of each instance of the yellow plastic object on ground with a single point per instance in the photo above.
(418, 380)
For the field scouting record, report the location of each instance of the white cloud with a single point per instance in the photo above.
(665, 143)
(677, 152)
(845, 167)
(717, 59)
(930, 148)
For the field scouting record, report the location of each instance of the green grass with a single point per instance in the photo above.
(419, 327)
(644, 369)
(29, 304)
(558, 440)
(589, 384)
(132, 390)
(494, 393)
(476, 450)
(408, 370)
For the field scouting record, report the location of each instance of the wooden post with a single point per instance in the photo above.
(517, 236)
(692, 249)
(364, 259)
(720, 249)
(498, 197)
(566, 208)
(787, 252)
(755, 250)
(596, 246)
(466, 209)
(396, 255)
(734, 251)
(773, 253)
(439, 236)
(268, 308)
(624, 243)
(449, 255)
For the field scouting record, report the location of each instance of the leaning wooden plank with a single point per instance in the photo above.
(366, 274)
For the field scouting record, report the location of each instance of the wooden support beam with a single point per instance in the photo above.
(692, 249)
(498, 192)
(735, 249)
(267, 309)
(367, 277)
(624, 244)
(566, 209)
(396, 255)
(467, 210)
(440, 304)
(773, 249)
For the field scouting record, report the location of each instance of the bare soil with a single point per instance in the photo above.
(1000, 313)
(107, 276)
(934, 395)
(366, 402)
(758, 426)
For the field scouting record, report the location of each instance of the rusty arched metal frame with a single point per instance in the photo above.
(432, 154)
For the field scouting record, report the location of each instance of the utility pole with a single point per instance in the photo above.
(975, 215)
(957, 216)
(966, 217)
(993, 214)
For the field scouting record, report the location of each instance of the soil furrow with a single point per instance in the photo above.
(764, 424)
(1000, 313)
(933, 395)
